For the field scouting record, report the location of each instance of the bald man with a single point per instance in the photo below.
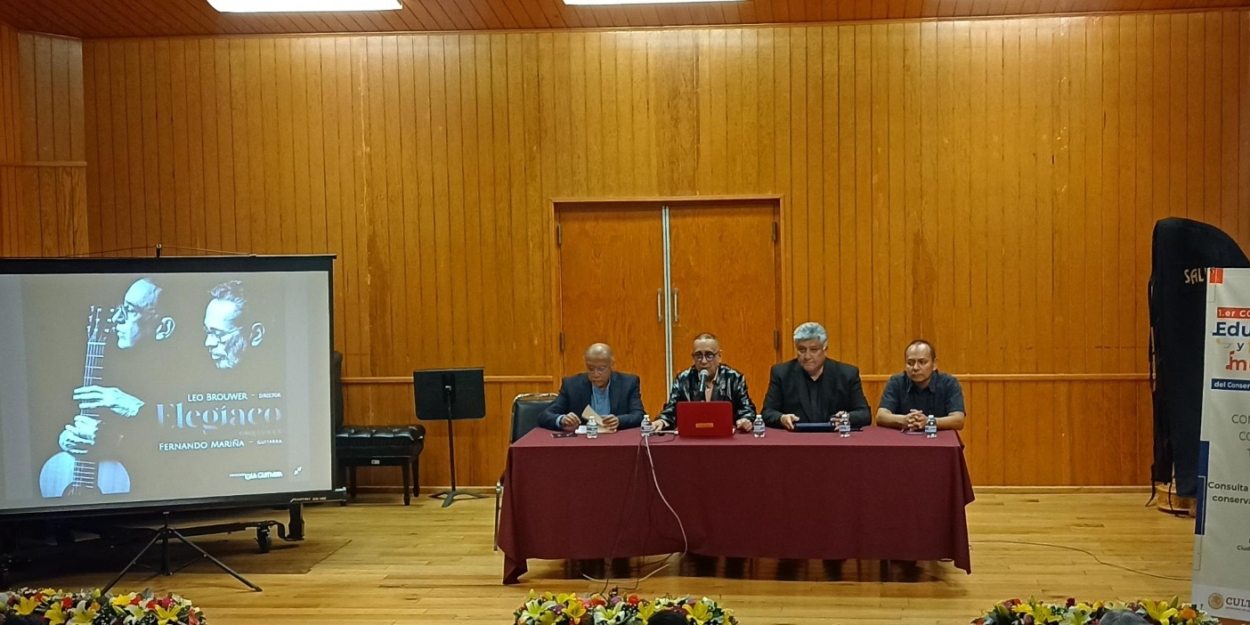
(138, 323)
(613, 395)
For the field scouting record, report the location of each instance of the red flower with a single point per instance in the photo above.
(633, 600)
(597, 601)
(193, 619)
(1071, 602)
(151, 605)
(136, 600)
(67, 603)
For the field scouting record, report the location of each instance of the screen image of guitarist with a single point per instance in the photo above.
(91, 444)
(195, 385)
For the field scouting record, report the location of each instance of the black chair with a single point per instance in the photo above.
(527, 410)
(373, 446)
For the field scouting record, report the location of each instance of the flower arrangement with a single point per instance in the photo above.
(614, 609)
(1033, 612)
(56, 607)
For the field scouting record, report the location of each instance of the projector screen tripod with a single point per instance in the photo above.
(163, 536)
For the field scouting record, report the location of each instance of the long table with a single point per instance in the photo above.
(879, 494)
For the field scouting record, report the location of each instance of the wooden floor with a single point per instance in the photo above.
(381, 563)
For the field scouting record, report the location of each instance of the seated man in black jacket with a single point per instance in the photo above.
(812, 388)
(721, 383)
(614, 396)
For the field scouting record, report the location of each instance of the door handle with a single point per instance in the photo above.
(659, 305)
(676, 306)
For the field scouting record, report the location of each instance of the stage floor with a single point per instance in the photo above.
(378, 562)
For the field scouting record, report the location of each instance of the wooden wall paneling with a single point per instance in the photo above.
(825, 298)
(459, 251)
(1064, 235)
(864, 345)
(893, 326)
(378, 329)
(43, 210)
(446, 271)
(407, 223)
(484, 178)
(92, 151)
(905, 236)
(793, 162)
(147, 218)
(8, 211)
(149, 18)
(10, 90)
(957, 175)
(115, 163)
(975, 342)
(1113, 201)
(537, 234)
(36, 80)
(59, 75)
(942, 240)
(846, 243)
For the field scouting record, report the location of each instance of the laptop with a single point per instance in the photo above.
(705, 419)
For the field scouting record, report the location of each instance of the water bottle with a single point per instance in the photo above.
(844, 425)
(930, 427)
(647, 426)
(592, 427)
(758, 427)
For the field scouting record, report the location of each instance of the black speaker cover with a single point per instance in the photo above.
(1182, 250)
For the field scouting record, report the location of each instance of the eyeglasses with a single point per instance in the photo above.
(705, 356)
(599, 369)
(126, 312)
(220, 336)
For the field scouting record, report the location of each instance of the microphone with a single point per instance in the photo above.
(702, 381)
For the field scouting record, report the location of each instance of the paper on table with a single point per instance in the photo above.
(589, 414)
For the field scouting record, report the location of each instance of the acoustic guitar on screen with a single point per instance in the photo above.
(82, 474)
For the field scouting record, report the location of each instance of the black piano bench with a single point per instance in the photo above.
(381, 446)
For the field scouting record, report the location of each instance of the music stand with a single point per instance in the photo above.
(450, 395)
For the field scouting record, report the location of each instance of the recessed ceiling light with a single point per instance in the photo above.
(303, 6)
(609, 2)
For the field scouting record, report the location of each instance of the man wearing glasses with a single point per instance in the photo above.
(616, 397)
(229, 329)
(139, 323)
(720, 383)
(813, 388)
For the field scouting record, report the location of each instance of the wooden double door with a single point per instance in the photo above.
(646, 278)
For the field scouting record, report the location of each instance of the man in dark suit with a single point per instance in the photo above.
(615, 397)
(812, 388)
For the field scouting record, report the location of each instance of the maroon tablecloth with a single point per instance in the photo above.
(879, 494)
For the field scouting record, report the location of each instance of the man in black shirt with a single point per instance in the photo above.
(921, 390)
(724, 383)
(813, 388)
